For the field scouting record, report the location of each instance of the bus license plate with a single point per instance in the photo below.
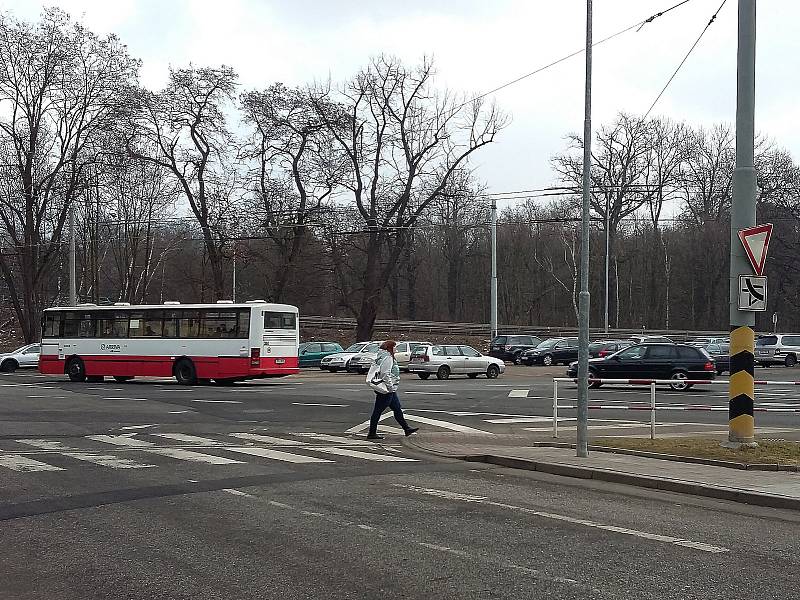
(279, 361)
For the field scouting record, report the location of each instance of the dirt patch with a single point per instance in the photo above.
(767, 452)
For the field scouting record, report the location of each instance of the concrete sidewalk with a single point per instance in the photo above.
(778, 489)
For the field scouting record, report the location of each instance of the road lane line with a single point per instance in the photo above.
(445, 424)
(44, 444)
(24, 464)
(445, 494)
(107, 460)
(136, 427)
(519, 420)
(120, 440)
(362, 455)
(237, 493)
(365, 425)
(192, 456)
(518, 393)
(266, 439)
(330, 438)
(121, 398)
(190, 439)
(216, 401)
(278, 455)
(432, 393)
(316, 404)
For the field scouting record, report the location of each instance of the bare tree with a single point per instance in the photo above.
(61, 89)
(183, 129)
(403, 142)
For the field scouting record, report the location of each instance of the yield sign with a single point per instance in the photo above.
(756, 243)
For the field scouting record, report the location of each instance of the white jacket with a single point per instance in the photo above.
(389, 370)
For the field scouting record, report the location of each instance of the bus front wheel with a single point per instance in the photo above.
(76, 370)
(185, 373)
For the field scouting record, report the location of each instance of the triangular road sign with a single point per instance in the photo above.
(756, 244)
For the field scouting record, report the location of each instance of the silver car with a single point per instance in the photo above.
(27, 356)
(777, 349)
(445, 360)
(342, 360)
(402, 354)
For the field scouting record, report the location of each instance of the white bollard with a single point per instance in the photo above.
(555, 408)
(652, 411)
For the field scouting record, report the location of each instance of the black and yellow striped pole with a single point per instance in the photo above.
(741, 426)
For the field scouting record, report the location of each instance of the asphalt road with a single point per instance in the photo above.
(152, 490)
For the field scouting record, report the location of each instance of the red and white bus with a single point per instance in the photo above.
(225, 342)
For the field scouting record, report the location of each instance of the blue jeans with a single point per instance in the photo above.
(382, 402)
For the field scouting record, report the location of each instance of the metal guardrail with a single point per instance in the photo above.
(652, 384)
(484, 328)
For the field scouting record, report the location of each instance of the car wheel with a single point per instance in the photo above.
(443, 372)
(518, 358)
(547, 360)
(9, 366)
(185, 373)
(492, 372)
(423, 375)
(791, 360)
(679, 384)
(122, 378)
(472, 375)
(76, 370)
(593, 385)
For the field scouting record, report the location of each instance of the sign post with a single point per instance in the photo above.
(741, 389)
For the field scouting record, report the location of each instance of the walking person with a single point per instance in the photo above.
(384, 378)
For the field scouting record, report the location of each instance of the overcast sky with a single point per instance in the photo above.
(478, 45)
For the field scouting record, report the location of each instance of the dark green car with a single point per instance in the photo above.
(310, 353)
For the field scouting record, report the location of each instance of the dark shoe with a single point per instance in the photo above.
(411, 430)
(375, 437)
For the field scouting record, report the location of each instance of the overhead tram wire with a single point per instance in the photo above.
(685, 58)
(638, 26)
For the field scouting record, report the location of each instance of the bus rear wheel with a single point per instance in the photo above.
(185, 373)
(76, 370)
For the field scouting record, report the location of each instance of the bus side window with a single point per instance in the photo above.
(188, 324)
(170, 327)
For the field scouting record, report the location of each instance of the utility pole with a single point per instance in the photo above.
(234, 273)
(741, 390)
(493, 316)
(581, 446)
(605, 311)
(73, 284)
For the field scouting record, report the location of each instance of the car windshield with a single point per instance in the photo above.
(596, 345)
(767, 340)
(548, 343)
(371, 347)
(355, 347)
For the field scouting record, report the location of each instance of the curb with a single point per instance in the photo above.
(611, 476)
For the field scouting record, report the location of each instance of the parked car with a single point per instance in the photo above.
(721, 354)
(552, 352)
(27, 356)
(360, 362)
(650, 339)
(677, 362)
(603, 348)
(447, 359)
(704, 341)
(310, 354)
(777, 349)
(511, 347)
(341, 360)
(403, 351)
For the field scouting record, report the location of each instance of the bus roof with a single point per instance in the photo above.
(220, 306)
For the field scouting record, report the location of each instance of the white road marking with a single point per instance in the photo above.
(266, 439)
(519, 420)
(518, 393)
(180, 412)
(216, 401)
(362, 455)
(432, 393)
(107, 460)
(190, 439)
(121, 398)
(51, 397)
(315, 404)
(330, 438)
(445, 424)
(190, 455)
(564, 518)
(120, 440)
(278, 455)
(365, 425)
(24, 464)
(237, 493)
(44, 444)
(136, 427)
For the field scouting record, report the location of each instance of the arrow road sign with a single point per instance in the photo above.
(752, 293)
(756, 243)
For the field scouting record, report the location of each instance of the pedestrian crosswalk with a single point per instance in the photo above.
(151, 450)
